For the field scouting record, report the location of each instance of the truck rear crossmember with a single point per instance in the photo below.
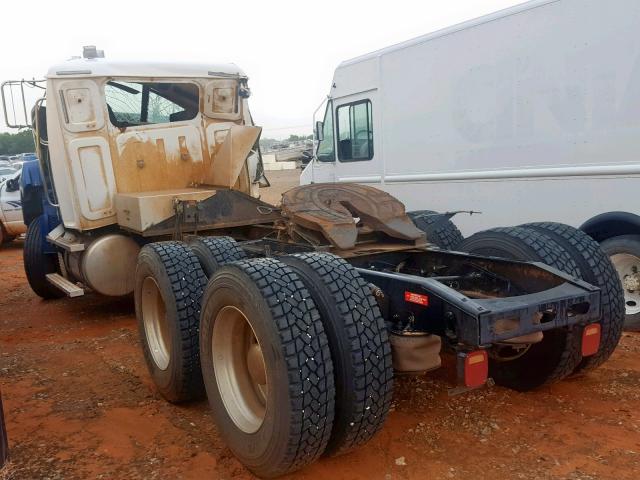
(473, 302)
(478, 322)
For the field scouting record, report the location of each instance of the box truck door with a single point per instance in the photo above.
(357, 139)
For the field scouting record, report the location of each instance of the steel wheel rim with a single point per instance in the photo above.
(239, 368)
(156, 326)
(628, 268)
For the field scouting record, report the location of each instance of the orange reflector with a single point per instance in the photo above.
(416, 298)
(476, 369)
(590, 339)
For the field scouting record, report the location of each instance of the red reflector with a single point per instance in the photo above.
(590, 339)
(476, 369)
(416, 298)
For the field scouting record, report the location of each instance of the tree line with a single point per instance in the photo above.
(14, 143)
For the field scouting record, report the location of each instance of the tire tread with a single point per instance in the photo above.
(188, 282)
(366, 406)
(596, 268)
(440, 230)
(305, 348)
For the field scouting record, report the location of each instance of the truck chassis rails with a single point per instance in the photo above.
(472, 301)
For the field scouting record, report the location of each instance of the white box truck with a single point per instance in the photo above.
(526, 114)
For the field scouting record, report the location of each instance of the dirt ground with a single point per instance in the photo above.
(80, 404)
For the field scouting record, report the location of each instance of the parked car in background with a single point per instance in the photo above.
(6, 172)
(11, 222)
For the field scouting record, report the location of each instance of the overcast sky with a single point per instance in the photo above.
(289, 49)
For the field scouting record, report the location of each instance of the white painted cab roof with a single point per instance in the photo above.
(103, 67)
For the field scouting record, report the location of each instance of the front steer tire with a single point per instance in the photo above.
(168, 292)
(37, 264)
(559, 353)
(359, 346)
(594, 267)
(267, 366)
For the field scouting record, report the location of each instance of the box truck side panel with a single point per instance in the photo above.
(554, 85)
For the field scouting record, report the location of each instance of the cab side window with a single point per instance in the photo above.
(355, 131)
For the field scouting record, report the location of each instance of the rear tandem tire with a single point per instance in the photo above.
(168, 291)
(440, 230)
(267, 366)
(214, 252)
(594, 267)
(359, 346)
(38, 264)
(558, 354)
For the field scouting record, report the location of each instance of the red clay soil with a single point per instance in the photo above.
(79, 404)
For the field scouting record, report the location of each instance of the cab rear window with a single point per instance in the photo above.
(144, 103)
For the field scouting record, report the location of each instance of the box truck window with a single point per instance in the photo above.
(136, 103)
(325, 151)
(355, 131)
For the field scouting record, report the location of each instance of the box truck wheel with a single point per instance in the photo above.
(38, 264)
(558, 353)
(595, 268)
(213, 252)
(359, 346)
(440, 230)
(267, 366)
(624, 252)
(168, 292)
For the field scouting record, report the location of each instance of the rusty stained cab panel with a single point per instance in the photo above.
(106, 160)
(176, 155)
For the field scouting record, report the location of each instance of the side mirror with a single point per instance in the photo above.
(319, 131)
(13, 185)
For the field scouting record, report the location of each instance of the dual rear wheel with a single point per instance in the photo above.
(558, 354)
(292, 352)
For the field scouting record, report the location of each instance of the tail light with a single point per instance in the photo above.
(590, 339)
(476, 368)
